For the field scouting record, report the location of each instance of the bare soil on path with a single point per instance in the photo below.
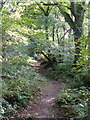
(44, 106)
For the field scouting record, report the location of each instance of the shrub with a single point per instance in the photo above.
(20, 83)
(77, 99)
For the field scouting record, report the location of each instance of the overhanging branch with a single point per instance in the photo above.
(67, 17)
(41, 7)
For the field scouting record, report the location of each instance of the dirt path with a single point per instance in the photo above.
(44, 106)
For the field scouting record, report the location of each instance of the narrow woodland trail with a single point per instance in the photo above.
(44, 106)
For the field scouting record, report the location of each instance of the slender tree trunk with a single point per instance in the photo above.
(3, 46)
(46, 14)
(57, 33)
(53, 33)
(46, 27)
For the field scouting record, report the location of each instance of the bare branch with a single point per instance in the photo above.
(47, 11)
(49, 4)
(65, 34)
(41, 7)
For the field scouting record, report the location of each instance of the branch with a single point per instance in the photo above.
(73, 8)
(67, 17)
(46, 13)
(41, 8)
(45, 56)
(49, 4)
(53, 4)
(65, 33)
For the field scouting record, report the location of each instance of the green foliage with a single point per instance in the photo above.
(82, 66)
(20, 83)
(7, 110)
(61, 71)
(82, 109)
(20, 80)
(76, 95)
(76, 98)
(23, 34)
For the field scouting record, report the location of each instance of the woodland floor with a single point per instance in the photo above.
(44, 106)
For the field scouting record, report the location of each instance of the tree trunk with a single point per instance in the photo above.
(53, 33)
(46, 27)
(57, 33)
(89, 34)
(77, 36)
(77, 11)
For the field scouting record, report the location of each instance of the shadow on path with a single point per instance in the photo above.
(44, 106)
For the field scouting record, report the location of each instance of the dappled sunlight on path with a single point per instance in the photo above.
(44, 106)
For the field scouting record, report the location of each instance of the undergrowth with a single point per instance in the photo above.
(75, 96)
(20, 84)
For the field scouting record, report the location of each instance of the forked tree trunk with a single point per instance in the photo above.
(77, 11)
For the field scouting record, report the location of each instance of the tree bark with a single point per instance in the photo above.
(46, 27)
(89, 33)
(77, 11)
(53, 33)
